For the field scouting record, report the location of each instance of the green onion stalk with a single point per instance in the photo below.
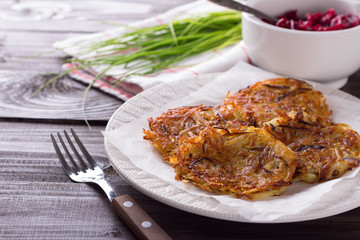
(150, 50)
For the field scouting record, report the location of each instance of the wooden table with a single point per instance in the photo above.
(37, 200)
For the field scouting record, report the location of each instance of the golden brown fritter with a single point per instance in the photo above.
(166, 130)
(246, 161)
(324, 150)
(276, 98)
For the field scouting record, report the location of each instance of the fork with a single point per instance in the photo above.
(142, 225)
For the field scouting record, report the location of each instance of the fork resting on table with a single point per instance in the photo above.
(87, 171)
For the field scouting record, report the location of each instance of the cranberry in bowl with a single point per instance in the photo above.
(324, 56)
(328, 21)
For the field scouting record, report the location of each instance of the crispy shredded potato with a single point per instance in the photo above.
(277, 98)
(257, 142)
(324, 150)
(246, 161)
(165, 131)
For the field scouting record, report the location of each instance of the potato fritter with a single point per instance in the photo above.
(324, 150)
(276, 98)
(166, 130)
(246, 161)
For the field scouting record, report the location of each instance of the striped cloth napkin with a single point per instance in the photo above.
(211, 62)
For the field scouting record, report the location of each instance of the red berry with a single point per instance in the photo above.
(328, 21)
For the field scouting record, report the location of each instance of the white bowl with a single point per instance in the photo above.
(327, 57)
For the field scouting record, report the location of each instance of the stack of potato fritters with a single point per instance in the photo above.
(257, 142)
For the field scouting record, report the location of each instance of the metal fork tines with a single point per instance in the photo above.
(87, 171)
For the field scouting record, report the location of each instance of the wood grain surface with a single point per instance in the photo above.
(37, 200)
(61, 100)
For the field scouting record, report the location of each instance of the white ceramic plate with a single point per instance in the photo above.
(162, 191)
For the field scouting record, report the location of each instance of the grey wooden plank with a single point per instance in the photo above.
(62, 99)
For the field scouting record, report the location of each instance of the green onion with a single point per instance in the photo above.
(149, 50)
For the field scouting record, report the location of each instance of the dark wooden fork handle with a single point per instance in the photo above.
(142, 225)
